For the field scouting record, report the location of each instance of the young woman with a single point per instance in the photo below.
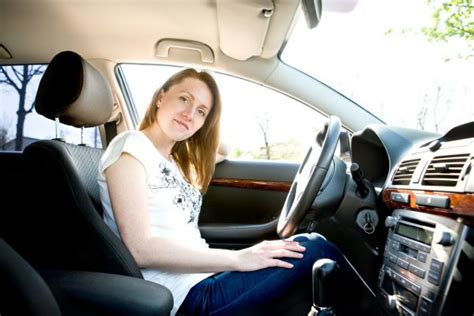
(151, 183)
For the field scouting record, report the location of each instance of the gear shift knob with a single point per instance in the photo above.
(325, 284)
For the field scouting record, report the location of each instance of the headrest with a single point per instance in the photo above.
(74, 91)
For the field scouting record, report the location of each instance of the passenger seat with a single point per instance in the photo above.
(22, 290)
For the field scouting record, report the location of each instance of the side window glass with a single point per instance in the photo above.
(257, 122)
(20, 125)
(260, 123)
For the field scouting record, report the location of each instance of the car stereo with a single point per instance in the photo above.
(420, 258)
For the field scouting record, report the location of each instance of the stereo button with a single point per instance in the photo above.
(397, 278)
(422, 256)
(443, 238)
(425, 307)
(402, 263)
(403, 281)
(432, 200)
(419, 272)
(390, 221)
(415, 288)
(400, 197)
(395, 245)
(424, 248)
(411, 244)
(392, 258)
(434, 277)
(436, 265)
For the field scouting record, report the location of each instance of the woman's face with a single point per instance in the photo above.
(183, 108)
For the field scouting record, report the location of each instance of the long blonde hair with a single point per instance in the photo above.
(195, 156)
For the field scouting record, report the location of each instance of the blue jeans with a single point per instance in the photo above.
(262, 292)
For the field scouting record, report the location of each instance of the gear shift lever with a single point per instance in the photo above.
(325, 283)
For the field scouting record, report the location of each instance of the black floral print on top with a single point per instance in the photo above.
(188, 199)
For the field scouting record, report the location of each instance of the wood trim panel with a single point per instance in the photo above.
(461, 204)
(279, 186)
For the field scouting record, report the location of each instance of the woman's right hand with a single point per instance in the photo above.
(268, 254)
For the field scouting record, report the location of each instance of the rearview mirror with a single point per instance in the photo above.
(312, 9)
(312, 12)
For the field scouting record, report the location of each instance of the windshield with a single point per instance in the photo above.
(388, 57)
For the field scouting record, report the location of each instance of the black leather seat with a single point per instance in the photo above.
(72, 232)
(69, 232)
(23, 291)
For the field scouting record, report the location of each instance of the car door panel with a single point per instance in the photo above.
(244, 201)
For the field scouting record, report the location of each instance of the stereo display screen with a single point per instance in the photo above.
(416, 233)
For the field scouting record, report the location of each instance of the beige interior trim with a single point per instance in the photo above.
(127, 31)
(4, 53)
(107, 69)
(280, 26)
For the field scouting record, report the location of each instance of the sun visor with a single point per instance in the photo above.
(243, 26)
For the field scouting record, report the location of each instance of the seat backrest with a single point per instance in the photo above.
(69, 232)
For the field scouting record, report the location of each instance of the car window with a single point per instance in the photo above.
(20, 125)
(257, 122)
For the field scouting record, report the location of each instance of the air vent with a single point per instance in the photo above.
(445, 170)
(405, 172)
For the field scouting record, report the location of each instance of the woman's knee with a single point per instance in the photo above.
(317, 247)
(307, 237)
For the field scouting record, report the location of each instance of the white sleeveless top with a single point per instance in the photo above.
(173, 203)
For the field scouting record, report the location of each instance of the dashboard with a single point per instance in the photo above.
(426, 182)
(378, 149)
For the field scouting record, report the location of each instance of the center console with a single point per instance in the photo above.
(421, 259)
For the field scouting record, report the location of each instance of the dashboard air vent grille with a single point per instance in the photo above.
(405, 172)
(445, 170)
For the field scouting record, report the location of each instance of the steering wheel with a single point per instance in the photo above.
(308, 179)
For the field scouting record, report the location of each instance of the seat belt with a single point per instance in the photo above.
(110, 131)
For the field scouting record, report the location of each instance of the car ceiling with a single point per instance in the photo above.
(243, 37)
(33, 31)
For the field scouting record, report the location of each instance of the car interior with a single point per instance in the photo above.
(400, 208)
